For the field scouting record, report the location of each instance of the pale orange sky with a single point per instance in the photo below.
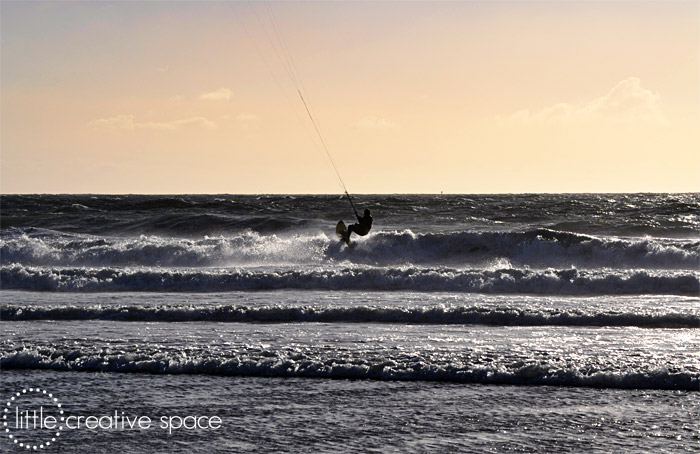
(412, 97)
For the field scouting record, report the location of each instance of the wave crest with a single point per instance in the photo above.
(550, 281)
(535, 248)
(358, 314)
(273, 364)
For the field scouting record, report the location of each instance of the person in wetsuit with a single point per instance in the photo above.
(362, 227)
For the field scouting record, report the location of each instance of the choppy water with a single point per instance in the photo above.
(581, 312)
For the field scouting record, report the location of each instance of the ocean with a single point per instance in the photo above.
(461, 323)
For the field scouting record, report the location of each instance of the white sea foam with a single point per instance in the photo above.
(550, 281)
(354, 314)
(535, 248)
(277, 364)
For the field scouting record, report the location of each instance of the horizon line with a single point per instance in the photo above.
(334, 193)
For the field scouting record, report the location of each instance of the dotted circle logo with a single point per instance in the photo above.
(17, 421)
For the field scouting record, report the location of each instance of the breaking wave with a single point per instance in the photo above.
(274, 364)
(537, 248)
(357, 314)
(508, 280)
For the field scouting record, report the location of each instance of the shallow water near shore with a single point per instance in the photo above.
(294, 415)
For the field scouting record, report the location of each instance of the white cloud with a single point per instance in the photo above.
(628, 101)
(177, 124)
(247, 117)
(114, 124)
(126, 123)
(177, 98)
(222, 94)
(375, 123)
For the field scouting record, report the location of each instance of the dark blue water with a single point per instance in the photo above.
(656, 215)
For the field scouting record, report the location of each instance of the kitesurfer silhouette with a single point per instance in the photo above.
(361, 228)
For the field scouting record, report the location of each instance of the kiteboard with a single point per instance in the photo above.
(341, 230)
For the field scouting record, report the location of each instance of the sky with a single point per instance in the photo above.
(410, 97)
